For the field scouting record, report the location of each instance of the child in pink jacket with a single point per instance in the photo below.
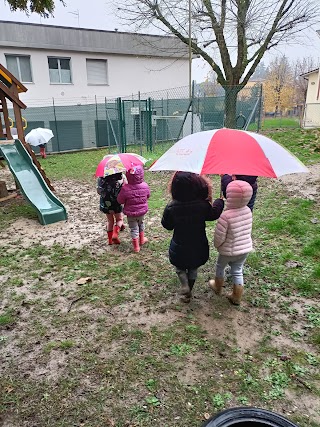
(134, 196)
(232, 238)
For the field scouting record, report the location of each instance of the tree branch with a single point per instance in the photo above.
(223, 13)
(241, 65)
(218, 31)
(256, 58)
(196, 49)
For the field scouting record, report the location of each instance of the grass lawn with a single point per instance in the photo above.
(118, 349)
(280, 123)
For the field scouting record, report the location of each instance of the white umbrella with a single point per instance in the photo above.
(39, 136)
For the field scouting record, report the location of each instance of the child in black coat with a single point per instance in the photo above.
(186, 215)
(252, 180)
(108, 188)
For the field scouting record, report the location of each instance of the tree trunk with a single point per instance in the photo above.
(230, 103)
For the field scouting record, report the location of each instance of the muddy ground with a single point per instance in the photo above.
(85, 228)
(85, 225)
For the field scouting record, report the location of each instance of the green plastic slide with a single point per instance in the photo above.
(34, 188)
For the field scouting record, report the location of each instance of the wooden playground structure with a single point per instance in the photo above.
(10, 87)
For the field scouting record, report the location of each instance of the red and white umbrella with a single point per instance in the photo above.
(231, 151)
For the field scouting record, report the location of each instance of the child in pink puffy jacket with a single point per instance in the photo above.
(134, 196)
(232, 238)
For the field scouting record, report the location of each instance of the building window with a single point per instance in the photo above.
(97, 72)
(20, 67)
(59, 70)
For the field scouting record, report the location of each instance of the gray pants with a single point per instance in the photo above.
(236, 263)
(191, 273)
(136, 225)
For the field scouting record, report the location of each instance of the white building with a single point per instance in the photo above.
(311, 117)
(68, 63)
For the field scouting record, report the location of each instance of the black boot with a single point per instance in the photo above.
(186, 298)
(185, 290)
(191, 283)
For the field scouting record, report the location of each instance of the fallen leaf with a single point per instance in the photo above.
(285, 357)
(84, 280)
(206, 416)
(314, 220)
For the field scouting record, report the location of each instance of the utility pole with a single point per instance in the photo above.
(318, 94)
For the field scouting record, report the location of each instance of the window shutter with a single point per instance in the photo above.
(97, 72)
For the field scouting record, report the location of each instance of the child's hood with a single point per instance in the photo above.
(135, 175)
(238, 194)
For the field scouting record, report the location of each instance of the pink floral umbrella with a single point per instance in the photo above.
(115, 163)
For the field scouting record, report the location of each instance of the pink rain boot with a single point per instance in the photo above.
(136, 247)
(110, 242)
(142, 239)
(115, 235)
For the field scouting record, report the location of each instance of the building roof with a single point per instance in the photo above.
(316, 70)
(51, 37)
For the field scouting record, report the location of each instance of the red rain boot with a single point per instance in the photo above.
(142, 239)
(110, 242)
(115, 237)
(136, 247)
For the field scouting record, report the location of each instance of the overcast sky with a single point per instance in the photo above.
(82, 13)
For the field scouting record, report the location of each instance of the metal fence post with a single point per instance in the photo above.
(55, 123)
(203, 110)
(97, 121)
(140, 122)
(119, 108)
(147, 124)
(192, 110)
(150, 123)
(184, 119)
(260, 108)
(107, 124)
(124, 133)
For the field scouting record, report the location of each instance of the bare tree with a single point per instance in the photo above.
(240, 31)
(302, 66)
(260, 72)
(210, 86)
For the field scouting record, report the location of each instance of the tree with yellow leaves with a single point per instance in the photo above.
(279, 93)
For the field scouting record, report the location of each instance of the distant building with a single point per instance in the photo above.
(311, 117)
(67, 63)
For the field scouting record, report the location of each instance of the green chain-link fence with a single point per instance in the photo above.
(143, 122)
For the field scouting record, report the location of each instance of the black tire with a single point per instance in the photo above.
(248, 417)
(241, 121)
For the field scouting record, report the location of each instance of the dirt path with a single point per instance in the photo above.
(306, 185)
